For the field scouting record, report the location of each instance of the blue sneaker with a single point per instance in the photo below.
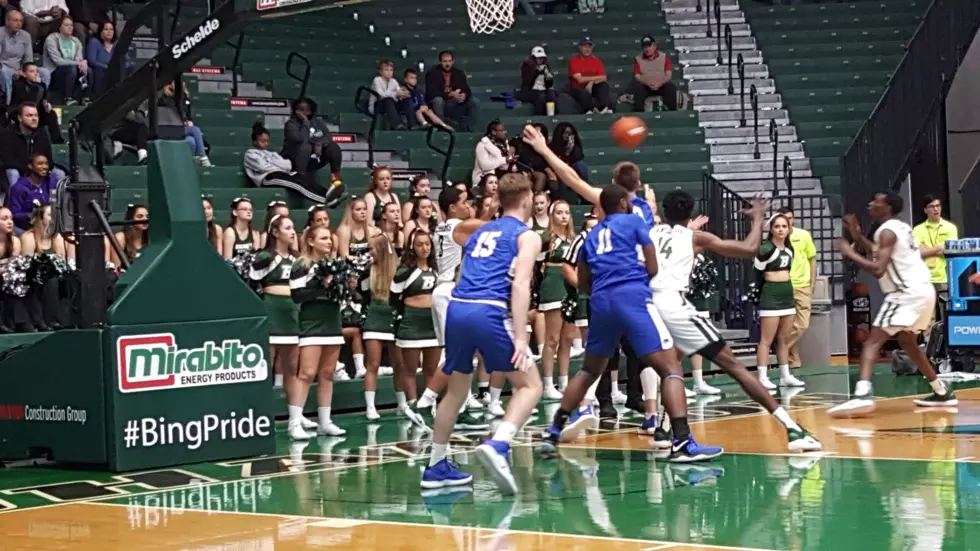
(689, 451)
(582, 419)
(495, 456)
(444, 474)
(649, 426)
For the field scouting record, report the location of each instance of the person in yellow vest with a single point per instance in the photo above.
(802, 274)
(933, 233)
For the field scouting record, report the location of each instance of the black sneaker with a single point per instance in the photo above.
(335, 194)
(938, 400)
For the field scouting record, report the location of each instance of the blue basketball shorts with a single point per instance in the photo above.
(626, 312)
(473, 327)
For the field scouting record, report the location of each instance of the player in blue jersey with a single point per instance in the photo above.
(619, 261)
(498, 262)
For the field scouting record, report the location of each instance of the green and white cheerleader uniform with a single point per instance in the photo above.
(268, 271)
(579, 315)
(542, 232)
(416, 328)
(775, 297)
(552, 280)
(379, 322)
(243, 246)
(319, 312)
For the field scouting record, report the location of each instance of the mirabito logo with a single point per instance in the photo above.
(205, 30)
(155, 362)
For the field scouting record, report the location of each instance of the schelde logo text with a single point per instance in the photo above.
(191, 41)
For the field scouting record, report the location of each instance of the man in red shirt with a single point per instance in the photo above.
(587, 80)
(652, 74)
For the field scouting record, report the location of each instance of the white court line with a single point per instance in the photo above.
(324, 522)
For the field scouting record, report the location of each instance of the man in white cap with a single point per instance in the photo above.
(537, 82)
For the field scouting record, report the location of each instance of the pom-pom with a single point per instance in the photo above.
(752, 294)
(704, 280)
(241, 263)
(13, 272)
(334, 273)
(352, 313)
(568, 307)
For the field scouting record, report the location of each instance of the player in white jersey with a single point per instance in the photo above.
(676, 246)
(907, 307)
(449, 255)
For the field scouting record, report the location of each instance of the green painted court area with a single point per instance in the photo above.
(912, 483)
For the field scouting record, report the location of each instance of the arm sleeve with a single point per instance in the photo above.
(765, 255)
(433, 88)
(92, 54)
(636, 67)
(19, 207)
(263, 265)
(53, 52)
(293, 133)
(667, 65)
(398, 283)
(303, 286)
(809, 250)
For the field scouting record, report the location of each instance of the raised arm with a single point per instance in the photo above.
(746, 248)
(561, 169)
(883, 255)
(463, 230)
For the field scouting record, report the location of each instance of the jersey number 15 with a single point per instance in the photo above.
(485, 245)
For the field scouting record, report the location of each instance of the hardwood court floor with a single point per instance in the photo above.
(899, 480)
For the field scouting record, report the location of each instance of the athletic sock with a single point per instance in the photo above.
(939, 387)
(576, 343)
(783, 417)
(784, 371)
(681, 430)
(438, 453)
(295, 413)
(359, 362)
(763, 371)
(495, 394)
(484, 388)
(369, 399)
(430, 394)
(698, 376)
(400, 397)
(562, 382)
(548, 382)
(278, 380)
(323, 416)
(560, 419)
(505, 432)
(862, 388)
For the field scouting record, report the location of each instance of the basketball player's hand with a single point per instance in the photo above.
(756, 210)
(519, 359)
(851, 224)
(532, 137)
(697, 223)
(845, 247)
(651, 196)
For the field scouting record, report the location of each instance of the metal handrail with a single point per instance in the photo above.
(774, 142)
(707, 13)
(446, 153)
(741, 89)
(365, 109)
(728, 45)
(718, 27)
(754, 100)
(305, 79)
(788, 175)
(236, 68)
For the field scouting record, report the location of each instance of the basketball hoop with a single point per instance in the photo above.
(490, 16)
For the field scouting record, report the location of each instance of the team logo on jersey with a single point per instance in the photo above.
(155, 362)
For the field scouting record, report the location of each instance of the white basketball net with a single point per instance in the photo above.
(490, 16)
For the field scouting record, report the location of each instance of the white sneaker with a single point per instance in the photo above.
(606, 110)
(373, 415)
(486, 400)
(766, 383)
(413, 416)
(340, 375)
(296, 432)
(360, 373)
(386, 371)
(551, 393)
(705, 388)
(791, 381)
(495, 409)
(307, 424)
(577, 351)
(473, 402)
(854, 407)
(618, 397)
(689, 393)
(330, 429)
(425, 402)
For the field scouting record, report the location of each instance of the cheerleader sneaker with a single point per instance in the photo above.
(330, 429)
(495, 409)
(297, 432)
(551, 393)
(473, 402)
(386, 371)
(706, 389)
(340, 375)
(576, 351)
(766, 383)
(372, 414)
(307, 424)
(790, 381)
(689, 393)
(618, 397)
(360, 373)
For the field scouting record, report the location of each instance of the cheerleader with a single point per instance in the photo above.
(411, 298)
(378, 330)
(419, 187)
(35, 241)
(273, 209)
(240, 236)
(390, 225)
(423, 216)
(776, 304)
(539, 223)
(44, 301)
(214, 229)
(316, 217)
(380, 194)
(488, 185)
(15, 316)
(555, 244)
(320, 336)
(134, 236)
(271, 268)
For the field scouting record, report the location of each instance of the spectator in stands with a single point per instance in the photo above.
(492, 152)
(43, 17)
(214, 229)
(88, 14)
(487, 186)
(31, 90)
(16, 49)
(423, 216)
(394, 102)
(652, 76)
(132, 131)
(134, 236)
(98, 52)
(531, 163)
(587, 80)
(19, 142)
(192, 134)
(565, 142)
(240, 236)
(33, 187)
(380, 195)
(64, 57)
(309, 147)
(421, 112)
(537, 82)
(266, 167)
(448, 93)
(420, 186)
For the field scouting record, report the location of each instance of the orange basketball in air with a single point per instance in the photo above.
(628, 132)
